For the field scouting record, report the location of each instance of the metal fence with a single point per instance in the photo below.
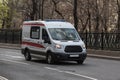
(110, 41)
(107, 41)
(10, 36)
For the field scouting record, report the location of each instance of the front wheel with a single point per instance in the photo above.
(50, 59)
(27, 55)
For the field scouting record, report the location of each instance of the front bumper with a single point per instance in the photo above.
(67, 57)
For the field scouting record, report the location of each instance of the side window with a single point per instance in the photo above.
(44, 34)
(35, 32)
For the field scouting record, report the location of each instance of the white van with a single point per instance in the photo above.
(54, 40)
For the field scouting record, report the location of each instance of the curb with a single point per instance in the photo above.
(103, 57)
(8, 46)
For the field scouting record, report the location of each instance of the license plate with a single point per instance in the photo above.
(74, 55)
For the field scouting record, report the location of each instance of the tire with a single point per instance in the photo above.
(50, 59)
(80, 61)
(27, 55)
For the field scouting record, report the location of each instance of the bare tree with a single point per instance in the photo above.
(90, 15)
(55, 2)
(118, 22)
(105, 15)
(40, 9)
(84, 15)
(75, 14)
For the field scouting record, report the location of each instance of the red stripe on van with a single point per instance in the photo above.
(33, 44)
(34, 24)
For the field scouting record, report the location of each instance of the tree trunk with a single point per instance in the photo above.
(75, 15)
(42, 10)
(34, 9)
(118, 24)
(3, 23)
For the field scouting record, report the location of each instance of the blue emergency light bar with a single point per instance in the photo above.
(55, 20)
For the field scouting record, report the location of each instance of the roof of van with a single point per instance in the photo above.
(49, 24)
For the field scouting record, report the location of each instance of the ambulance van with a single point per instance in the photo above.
(53, 40)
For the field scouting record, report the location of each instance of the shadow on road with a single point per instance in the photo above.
(61, 63)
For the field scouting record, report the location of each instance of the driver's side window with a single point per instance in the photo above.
(45, 36)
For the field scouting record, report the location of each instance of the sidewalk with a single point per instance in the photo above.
(104, 54)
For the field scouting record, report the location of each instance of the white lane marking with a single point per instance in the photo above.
(3, 78)
(87, 77)
(15, 61)
(11, 56)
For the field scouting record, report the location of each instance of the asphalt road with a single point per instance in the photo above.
(14, 67)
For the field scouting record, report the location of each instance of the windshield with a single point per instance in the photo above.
(63, 34)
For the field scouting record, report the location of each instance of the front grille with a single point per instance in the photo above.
(73, 49)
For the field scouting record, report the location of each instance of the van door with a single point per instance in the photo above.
(45, 39)
(36, 46)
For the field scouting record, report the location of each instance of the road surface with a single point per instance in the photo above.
(14, 67)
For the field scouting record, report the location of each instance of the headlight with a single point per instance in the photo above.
(58, 46)
(83, 46)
